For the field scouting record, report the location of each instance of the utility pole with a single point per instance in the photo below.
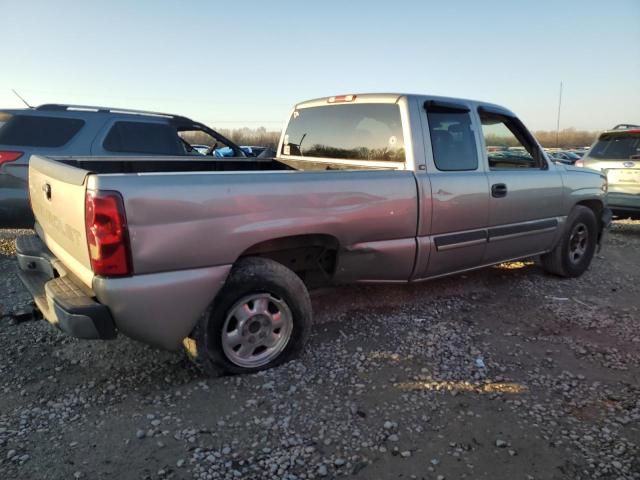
(558, 124)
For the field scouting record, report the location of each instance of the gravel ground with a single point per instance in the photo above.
(503, 373)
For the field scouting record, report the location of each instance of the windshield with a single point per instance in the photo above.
(617, 146)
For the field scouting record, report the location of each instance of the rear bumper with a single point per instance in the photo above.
(160, 309)
(624, 201)
(63, 301)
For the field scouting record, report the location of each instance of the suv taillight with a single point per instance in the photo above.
(107, 234)
(7, 156)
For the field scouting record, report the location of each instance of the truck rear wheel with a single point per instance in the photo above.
(260, 319)
(573, 254)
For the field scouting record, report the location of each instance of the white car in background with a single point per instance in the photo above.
(617, 154)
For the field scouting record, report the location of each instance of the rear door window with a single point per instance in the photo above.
(39, 131)
(140, 137)
(347, 132)
(452, 139)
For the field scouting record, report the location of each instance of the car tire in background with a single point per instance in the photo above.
(573, 254)
(260, 319)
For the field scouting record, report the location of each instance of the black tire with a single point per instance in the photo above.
(566, 259)
(252, 275)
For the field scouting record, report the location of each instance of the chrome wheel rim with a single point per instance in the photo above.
(578, 242)
(257, 329)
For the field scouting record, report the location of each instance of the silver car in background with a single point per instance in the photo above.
(616, 153)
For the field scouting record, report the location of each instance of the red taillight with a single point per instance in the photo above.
(579, 163)
(341, 99)
(107, 235)
(7, 156)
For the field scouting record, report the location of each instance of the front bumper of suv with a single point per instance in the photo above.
(63, 301)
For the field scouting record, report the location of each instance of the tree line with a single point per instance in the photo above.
(567, 138)
(240, 136)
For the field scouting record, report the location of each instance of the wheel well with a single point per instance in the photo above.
(312, 257)
(596, 207)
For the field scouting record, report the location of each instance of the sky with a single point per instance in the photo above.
(242, 63)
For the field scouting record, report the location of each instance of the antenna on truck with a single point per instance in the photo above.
(23, 100)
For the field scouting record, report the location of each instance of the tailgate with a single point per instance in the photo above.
(624, 177)
(57, 194)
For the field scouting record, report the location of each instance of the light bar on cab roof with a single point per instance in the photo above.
(341, 99)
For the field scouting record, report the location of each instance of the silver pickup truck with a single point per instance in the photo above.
(219, 254)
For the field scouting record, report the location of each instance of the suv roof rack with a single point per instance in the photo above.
(625, 126)
(91, 108)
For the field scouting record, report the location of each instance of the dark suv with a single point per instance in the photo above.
(63, 130)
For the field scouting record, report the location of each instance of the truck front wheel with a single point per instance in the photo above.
(260, 319)
(573, 254)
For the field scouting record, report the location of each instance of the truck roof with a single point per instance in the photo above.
(392, 98)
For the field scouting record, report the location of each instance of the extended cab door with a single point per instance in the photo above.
(525, 206)
(455, 216)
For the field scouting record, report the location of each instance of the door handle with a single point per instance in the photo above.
(498, 190)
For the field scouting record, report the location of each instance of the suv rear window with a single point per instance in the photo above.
(348, 132)
(139, 137)
(38, 131)
(616, 146)
(4, 118)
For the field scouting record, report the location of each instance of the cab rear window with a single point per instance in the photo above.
(347, 132)
(38, 131)
(617, 146)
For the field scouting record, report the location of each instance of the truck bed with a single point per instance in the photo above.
(157, 164)
(182, 216)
